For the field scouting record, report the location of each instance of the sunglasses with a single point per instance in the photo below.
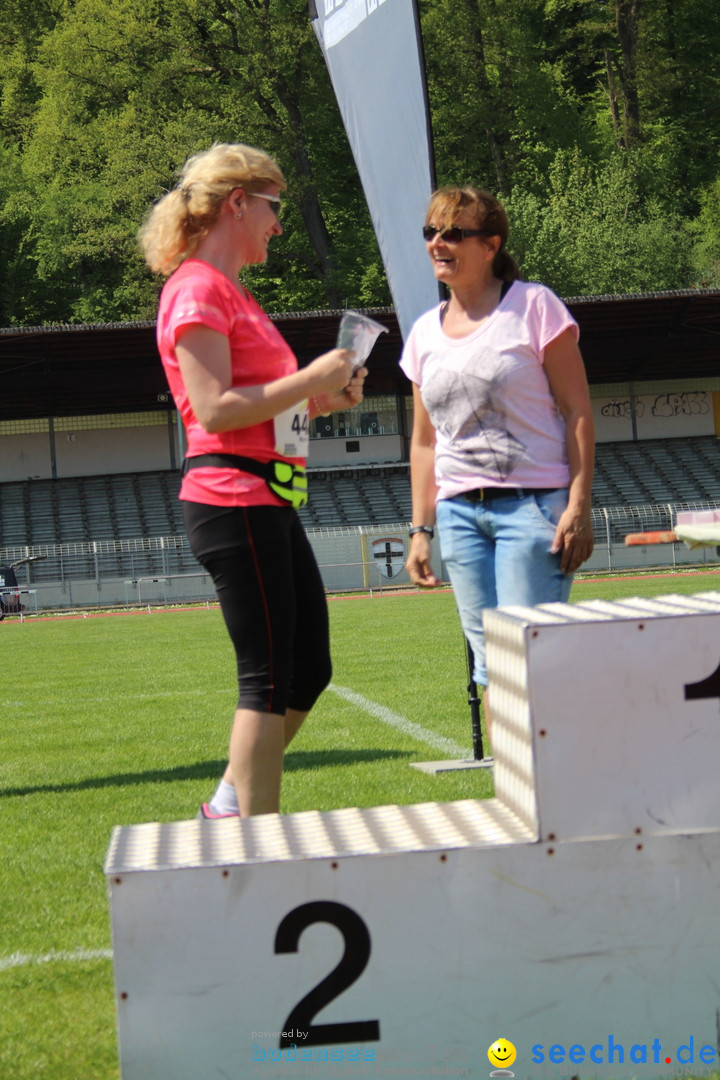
(275, 204)
(453, 235)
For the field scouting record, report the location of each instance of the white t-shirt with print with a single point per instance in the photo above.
(489, 400)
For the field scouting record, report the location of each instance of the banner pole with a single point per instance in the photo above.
(474, 703)
(426, 95)
(478, 760)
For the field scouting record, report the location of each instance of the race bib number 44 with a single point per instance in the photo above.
(292, 431)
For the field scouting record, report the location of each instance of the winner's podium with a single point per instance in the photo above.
(576, 914)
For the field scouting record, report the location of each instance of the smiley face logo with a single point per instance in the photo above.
(502, 1053)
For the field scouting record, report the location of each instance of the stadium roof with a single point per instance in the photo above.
(78, 370)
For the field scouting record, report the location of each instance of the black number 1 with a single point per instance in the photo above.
(352, 964)
(706, 688)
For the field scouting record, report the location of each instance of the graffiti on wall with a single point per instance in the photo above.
(665, 406)
(622, 410)
(692, 404)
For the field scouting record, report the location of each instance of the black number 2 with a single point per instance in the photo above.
(351, 966)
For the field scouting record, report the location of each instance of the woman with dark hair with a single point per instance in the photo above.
(503, 441)
(245, 407)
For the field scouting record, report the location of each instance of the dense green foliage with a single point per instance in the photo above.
(592, 119)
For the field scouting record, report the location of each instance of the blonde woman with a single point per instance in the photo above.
(245, 407)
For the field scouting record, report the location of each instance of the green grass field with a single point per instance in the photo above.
(120, 719)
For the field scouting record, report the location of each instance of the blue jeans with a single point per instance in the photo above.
(498, 553)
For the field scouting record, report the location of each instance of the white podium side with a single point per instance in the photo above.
(575, 914)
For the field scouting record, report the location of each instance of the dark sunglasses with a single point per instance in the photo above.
(453, 235)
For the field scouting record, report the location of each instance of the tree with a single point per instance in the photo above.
(501, 104)
(128, 91)
(705, 231)
(595, 233)
(22, 28)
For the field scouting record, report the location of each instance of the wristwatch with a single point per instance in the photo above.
(422, 528)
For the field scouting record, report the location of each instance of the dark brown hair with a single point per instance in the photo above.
(448, 203)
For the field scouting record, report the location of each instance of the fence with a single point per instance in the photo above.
(162, 570)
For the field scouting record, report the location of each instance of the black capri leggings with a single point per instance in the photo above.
(272, 599)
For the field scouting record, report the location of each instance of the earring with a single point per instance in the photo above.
(239, 214)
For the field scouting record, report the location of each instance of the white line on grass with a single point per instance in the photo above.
(380, 712)
(25, 959)
(396, 720)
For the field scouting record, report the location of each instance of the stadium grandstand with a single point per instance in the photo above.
(90, 450)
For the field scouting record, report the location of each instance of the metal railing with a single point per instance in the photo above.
(162, 570)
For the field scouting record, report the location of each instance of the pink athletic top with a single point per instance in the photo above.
(487, 395)
(198, 294)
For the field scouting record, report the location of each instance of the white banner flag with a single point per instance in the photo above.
(373, 52)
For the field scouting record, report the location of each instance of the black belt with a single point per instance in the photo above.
(287, 481)
(485, 494)
(227, 461)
